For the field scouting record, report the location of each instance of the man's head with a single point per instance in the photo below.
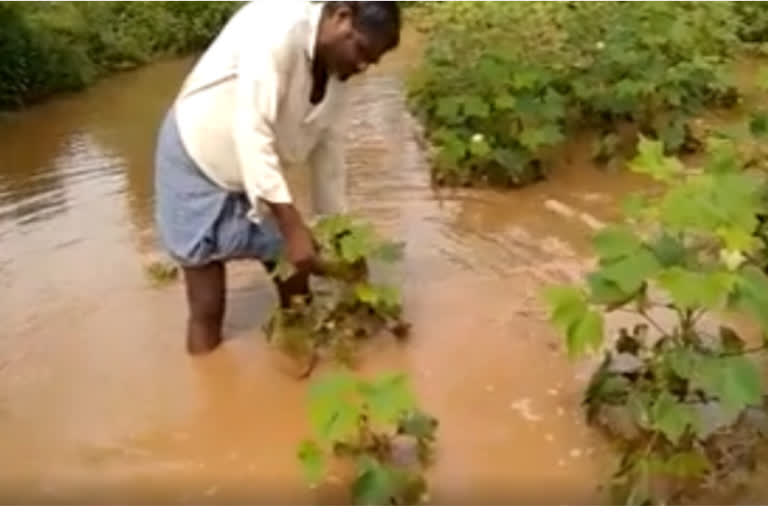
(354, 35)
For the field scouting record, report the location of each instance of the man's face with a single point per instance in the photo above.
(349, 51)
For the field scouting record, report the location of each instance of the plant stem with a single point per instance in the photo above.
(756, 350)
(699, 315)
(647, 318)
(654, 323)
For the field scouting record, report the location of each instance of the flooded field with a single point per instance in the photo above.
(100, 403)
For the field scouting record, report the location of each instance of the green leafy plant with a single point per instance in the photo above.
(46, 47)
(497, 103)
(678, 389)
(161, 273)
(753, 21)
(376, 424)
(346, 306)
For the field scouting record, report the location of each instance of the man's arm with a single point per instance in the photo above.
(299, 243)
(259, 90)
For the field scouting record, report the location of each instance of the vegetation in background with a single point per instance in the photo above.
(47, 47)
(679, 390)
(346, 306)
(377, 425)
(753, 18)
(497, 102)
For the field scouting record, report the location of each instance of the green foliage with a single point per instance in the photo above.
(347, 306)
(497, 102)
(376, 424)
(753, 21)
(53, 46)
(160, 273)
(570, 312)
(680, 396)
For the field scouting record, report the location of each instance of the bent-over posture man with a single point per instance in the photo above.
(267, 93)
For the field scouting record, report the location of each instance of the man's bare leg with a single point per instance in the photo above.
(206, 296)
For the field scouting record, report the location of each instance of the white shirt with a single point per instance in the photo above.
(244, 112)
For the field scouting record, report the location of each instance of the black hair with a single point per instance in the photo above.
(378, 19)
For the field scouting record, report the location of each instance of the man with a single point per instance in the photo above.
(267, 93)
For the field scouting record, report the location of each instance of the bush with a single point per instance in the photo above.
(495, 100)
(754, 21)
(678, 388)
(348, 304)
(377, 425)
(47, 47)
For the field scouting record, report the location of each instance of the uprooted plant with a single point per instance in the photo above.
(346, 306)
(376, 424)
(679, 390)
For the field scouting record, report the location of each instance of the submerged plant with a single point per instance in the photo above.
(161, 273)
(346, 306)
(375, 424)
(680, 390)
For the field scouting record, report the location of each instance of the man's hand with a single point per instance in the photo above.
(300, 249)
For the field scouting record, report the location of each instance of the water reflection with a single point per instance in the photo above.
(95, 144)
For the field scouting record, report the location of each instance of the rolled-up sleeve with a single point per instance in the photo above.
(329, 174)
(260, 86)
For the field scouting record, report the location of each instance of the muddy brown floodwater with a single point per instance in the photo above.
(100, 404)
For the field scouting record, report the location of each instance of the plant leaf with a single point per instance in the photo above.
(419, 425)
(390, 252)
(388, 398)
(682, 362)
(389, 297)
(735, 381)
(479, 147)
(634, 206)
(452, 148)
(358, 244)
(630, 273)
(652, 161)
(640, 404)
(534, 138)
(672, 135)
(586, 334)
(334, 409)
(693, 290)
(723, 157)
(758, 124)
(752, 295)
(567, 305)
(312, 461)
(505, 102)
(616, 242)
(669, 251)
(605, 292)
(376, 484)
(448, 109)
(711, 417)
(570, 313)
(670, 417)
(474, 106)
(689, 464)
(367, 294)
